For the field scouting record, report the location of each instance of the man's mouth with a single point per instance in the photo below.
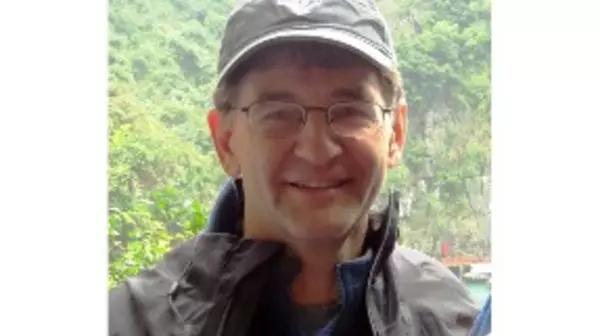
(319, 185)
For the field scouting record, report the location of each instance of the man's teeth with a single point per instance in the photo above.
(316, 185)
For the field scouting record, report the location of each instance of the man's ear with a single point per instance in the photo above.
(398, 138)
(221, 131)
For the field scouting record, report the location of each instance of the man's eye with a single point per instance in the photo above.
(283, 115)
(278, 114)
(349, 112)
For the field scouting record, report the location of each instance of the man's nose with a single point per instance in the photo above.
(316, 142)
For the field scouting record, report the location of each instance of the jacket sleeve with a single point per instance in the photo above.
(123, 316)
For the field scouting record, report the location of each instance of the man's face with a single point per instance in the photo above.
(313, 184)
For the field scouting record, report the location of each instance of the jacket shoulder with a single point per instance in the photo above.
(131, 302)
(431, 288)
(123, 314)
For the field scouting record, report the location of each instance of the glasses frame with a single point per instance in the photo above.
(306, 108)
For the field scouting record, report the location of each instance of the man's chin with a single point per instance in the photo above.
(321, 228)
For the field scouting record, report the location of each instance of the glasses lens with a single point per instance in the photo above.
(354, 118)
(276, 119)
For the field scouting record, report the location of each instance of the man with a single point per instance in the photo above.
(309, 115)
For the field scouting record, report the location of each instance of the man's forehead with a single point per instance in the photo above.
(289, 83)
(314, 70)
(357, 92)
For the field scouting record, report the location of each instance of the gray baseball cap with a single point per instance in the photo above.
(353, 24)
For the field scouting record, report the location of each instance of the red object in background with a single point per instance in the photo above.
(445, 250)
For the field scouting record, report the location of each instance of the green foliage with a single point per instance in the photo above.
(443, 48)
(143, 233)
(163, 174)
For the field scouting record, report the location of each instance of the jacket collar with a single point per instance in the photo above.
(233, 258)
(228, 211)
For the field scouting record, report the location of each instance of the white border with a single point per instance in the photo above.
(545, 128)
(53, 167)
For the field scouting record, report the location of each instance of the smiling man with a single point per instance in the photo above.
(309, 116)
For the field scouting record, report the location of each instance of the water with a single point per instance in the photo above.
(479, 291)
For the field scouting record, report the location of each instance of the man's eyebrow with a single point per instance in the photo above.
(355, 93)
(350, 93)
(276, 95)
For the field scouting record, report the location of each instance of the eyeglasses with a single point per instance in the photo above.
(275, 119)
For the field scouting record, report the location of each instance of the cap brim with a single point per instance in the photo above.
(321, 34)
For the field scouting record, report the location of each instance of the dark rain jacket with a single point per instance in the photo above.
(211, 285)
